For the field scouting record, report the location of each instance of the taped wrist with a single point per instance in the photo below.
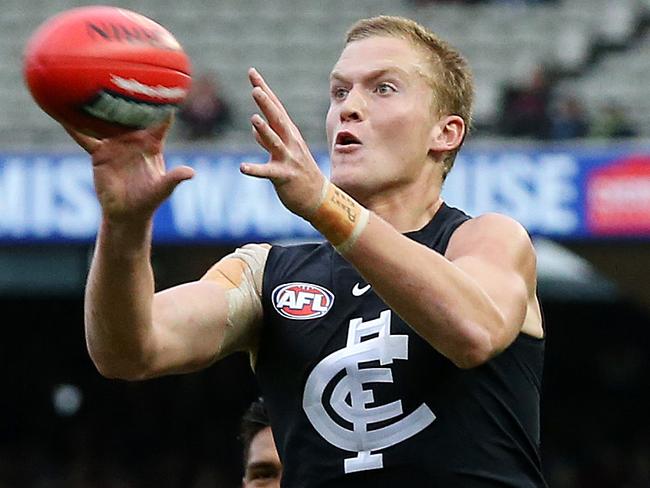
(339, 218)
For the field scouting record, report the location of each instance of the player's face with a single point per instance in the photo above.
(380, 119)
(263, 467)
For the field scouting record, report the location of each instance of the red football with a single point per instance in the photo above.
(106, 70)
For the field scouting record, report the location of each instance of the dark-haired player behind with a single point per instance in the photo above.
(262, 466)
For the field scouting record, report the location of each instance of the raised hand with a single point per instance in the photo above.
(291, 168)
(129, 172)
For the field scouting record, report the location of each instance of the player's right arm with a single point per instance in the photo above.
(131, 331)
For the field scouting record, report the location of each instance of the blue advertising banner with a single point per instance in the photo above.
(563, 193)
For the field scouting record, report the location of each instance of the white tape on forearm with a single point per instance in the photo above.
(345, 246)
(339, 217)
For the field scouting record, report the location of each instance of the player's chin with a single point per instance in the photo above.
(351, 181)
(342, 173)
(347, 166)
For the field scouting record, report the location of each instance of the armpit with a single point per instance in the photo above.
(241, 274)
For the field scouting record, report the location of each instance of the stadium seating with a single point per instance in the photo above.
(620, 77)
(294, 43)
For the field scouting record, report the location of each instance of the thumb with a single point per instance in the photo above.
(175, 176)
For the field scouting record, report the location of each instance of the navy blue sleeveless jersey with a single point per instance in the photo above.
(356, 398)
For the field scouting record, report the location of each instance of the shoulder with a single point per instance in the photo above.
(493, 235)
(496, 223)
(298, 251)
(234, 267)
(254, 255)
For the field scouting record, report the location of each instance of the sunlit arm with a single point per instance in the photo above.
(132, 333)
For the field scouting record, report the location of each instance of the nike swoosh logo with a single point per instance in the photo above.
(357, 292)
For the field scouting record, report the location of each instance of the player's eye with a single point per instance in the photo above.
(385, 88)
(339, 93)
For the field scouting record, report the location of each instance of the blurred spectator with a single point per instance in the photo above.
(525, 110)
(611, 122)
(569, 120)
(205, 113)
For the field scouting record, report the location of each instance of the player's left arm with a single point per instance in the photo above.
(469, 304)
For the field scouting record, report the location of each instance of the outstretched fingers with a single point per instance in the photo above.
(268, 138)
(277, 119)
(270, 171)
(272, 107)
(257, 80)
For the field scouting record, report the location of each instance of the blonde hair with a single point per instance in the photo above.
(450, 76)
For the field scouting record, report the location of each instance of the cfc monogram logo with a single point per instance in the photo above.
(349, 399)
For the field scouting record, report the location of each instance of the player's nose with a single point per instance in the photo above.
(353, 107)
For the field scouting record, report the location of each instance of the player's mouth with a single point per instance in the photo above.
(346, 142)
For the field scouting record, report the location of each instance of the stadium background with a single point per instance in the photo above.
(585, 202)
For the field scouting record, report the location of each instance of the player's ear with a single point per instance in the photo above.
(447, 134)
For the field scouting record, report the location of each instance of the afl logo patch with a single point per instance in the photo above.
(302, 301)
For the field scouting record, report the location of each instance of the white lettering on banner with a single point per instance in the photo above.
(78, 211)
(559, 194)
(219, 201)
(46, 196)
(624, 194)
(42, 197)
(540, 192)
(43, 219)
(518, 198)
(199, 205)
(265, 214)
(13, 201)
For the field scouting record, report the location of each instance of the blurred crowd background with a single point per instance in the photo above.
(548, 74)
(544, 69)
